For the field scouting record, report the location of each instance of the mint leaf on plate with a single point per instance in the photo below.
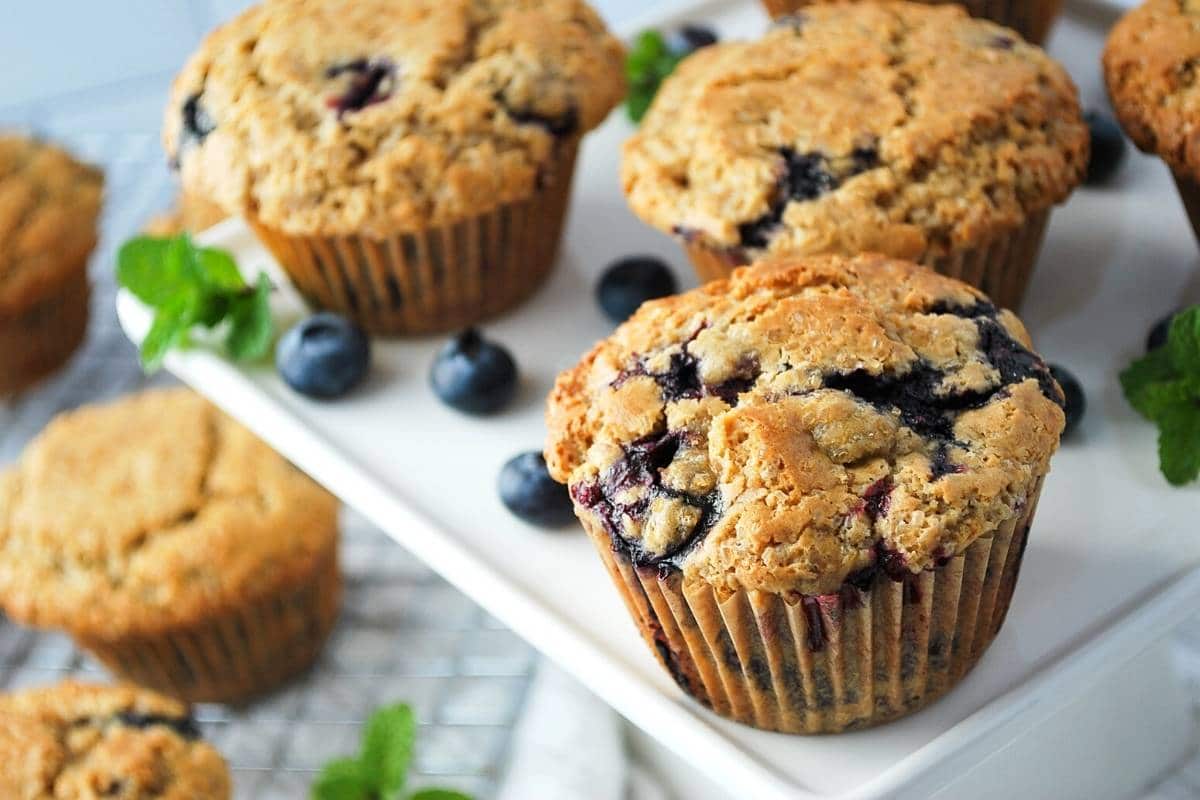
(649, 62)
(1164, 387)
(189, 286)
(343, 779)
(438, 794)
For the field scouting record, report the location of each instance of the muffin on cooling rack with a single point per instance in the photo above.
(812, 483)
(1033, 19)
(1149, 66)
(911, 130)
(80, 741)
(172, 544)
(49, 204)
(408, 162)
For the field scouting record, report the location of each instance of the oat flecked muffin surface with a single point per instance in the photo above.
(812, 431)
(49, 204)
(173, 544)
(1149, 67)
(377, 116)
(90, 742)
(900, 128)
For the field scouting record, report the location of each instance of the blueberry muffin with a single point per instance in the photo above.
(49, 203)
(910, 130)
(82, 742)
(177, 548)
(408, 162)
(812, 483)
(1149, 66)
(1032, 19)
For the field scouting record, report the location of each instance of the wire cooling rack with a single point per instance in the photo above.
(404, 633)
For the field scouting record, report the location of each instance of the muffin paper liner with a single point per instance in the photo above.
(1189, 193)
(438, 279)
(1030, 18)
(802, 664)
(1001, 268)
(40, 339)
(233, 656)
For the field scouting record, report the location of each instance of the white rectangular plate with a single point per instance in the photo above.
(1109, 566)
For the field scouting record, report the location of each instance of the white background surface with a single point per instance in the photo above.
(81, 69)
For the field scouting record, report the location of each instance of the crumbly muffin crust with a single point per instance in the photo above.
(83, 742)
(49, 203)
(191, 214)
(1150, 65)
(809, 419)
(329, 117)
(152, 513)
(901, 128)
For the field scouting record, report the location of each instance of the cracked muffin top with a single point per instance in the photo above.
(1150, 66)
(149, 513)
(809, 418)
(907, 129)
(49, 203)
(79, 741)
(375, 117)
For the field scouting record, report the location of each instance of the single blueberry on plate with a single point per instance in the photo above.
(1158, 334)
(1076, 404)
(1108, 147)
(527, 490)
(474, 375)
(628, 283)
(324, 356)
(689, 38)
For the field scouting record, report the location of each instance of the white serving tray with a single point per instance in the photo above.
(1111, 564)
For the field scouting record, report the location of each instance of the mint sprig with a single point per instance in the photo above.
(649, 62)
(1164, 387)
(380, 771)
(190, 286)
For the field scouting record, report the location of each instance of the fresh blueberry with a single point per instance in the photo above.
(325, 356)
(527, 490)
(695, 37)
(1108, 147)
(1076, 401)
(474, 375)
(632, 281)
(1160, 332)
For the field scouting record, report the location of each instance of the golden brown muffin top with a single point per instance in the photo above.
(49, 203)
(807, 419)
(91, 742)
(1150, 68)
(151, 513)
(381, 116)
(902, 128)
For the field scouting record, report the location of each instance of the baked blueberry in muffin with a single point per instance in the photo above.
(807, 438)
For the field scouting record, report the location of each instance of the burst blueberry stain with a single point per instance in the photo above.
(681, 379)
(804, 177)
(641, 466)
(877, 499)
(370, 83)
(184, 727)
(197, 122)
(559, 125)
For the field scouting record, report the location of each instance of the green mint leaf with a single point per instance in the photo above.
(343, 779)
(142, 269)
(438, 794)
(213, 309)
(387, 747)
(219, 271)
(1152, 369)
(1179, 441)
(169, 329)
(251, 331)
(647, 65)
(1183, 342)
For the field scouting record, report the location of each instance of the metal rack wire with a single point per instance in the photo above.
(404, 633)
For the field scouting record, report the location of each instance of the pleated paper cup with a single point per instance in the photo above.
(801, 664)
(1189, 193)
(233, 656)
(1033, 19)
(438, 279)
(37, 340)
(1001, 268)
